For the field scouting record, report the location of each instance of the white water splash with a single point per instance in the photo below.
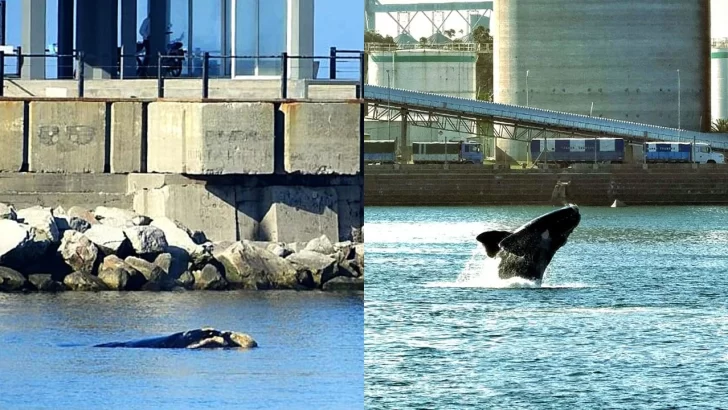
(481, 271)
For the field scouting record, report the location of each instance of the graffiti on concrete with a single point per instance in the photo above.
(68, 138)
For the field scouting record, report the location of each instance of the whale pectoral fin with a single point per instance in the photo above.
(490, 240)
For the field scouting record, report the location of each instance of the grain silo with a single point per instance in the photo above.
(630, 58)
(719, 79)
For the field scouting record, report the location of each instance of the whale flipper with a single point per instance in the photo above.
(491, 240)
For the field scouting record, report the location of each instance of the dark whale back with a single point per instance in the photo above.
(193, 339)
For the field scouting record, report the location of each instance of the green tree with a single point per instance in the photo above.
(449, 33)
(719, 125)
(371, 36)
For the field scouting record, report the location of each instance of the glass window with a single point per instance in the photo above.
(272, 16)
(246, 29)
(179, 20)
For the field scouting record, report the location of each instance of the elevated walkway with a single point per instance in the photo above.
(531, 118)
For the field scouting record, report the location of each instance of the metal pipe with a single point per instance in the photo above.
(284, 75)
(81, 70)
(160, 77)
(3, 27)
(332, 63)
(2, 73)
(206, 74)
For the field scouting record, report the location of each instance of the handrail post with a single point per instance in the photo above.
(205, 75)
(332, 64)
(81, 69)
(284, 75)
(160, 77)
(2, 73)
(362, 77)
(19, 61)
(121, 62)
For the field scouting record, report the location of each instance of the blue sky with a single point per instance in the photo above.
(337, 23)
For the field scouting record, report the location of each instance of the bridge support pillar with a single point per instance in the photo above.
(405, 149)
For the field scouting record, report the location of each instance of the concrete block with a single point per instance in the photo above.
(350, 210)
(11, 135)
(322, 138)
(126, 137)
(299, 214)
(208, 208)
(248, 203)
(211, 138)
(67, 136)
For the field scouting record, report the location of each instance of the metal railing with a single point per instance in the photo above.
(464, 47)
(160, 67)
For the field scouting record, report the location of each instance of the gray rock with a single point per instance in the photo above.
(78, 224)
(209, 278)
(44, 282)
(81, 213)
(279, 250)
(186, 280)
(176, 236)
(78, 251)
(199, 237)
(119, 275)
(322, 267)
(11, 280)
(84, 282)
(141, 220)
(110, 240)
(146, 239)
(359, 254)
(321, 245)
(357, 235)
(117, 222)
(344, 251)
(40, 219)
(103, 212)
(174, 263)
(250, 267)
(7, 212)
(152, 273)
(342, 283)
(14, 236)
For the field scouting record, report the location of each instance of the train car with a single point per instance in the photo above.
(681, 152)
(380, 151)
(576, 150)
(455, 152)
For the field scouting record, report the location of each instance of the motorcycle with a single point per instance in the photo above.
(174, 56)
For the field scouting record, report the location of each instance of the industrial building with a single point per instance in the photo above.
(99, 27)
(719, 78)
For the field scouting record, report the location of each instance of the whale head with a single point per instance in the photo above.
(527, 251)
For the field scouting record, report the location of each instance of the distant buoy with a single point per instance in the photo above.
(618, 204)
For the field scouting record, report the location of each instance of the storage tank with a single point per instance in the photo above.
(719, 79)
(621, 55)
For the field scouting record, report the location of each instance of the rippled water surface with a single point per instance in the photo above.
(310, 354)
(632, 312)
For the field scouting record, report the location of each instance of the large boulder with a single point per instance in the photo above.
(322, 245)
(177, 235)
(251, 267)
(155, 276)
(44, 282)
(110, 240)
(7, 212)
(11, 280)
(42, 222)
(322, 267)
(119, 275)
(146, 239)
(78, 251)
(209, 278)
(342, 283)
(12, 236)
(83, 214)
(174, 263)
(84, 282)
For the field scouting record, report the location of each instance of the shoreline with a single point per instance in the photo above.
(113, 249)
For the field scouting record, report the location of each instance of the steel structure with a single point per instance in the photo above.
(372, 7)
(517, 122)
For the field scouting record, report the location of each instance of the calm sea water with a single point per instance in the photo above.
(310, 355)
(632, 312)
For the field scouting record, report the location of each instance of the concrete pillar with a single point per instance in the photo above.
(370, 15)
(96, 36)
(65, 38)
(158, 21)
(128, 37)
(300, 37)
(33, 38)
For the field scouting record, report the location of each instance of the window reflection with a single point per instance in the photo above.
(260, 30)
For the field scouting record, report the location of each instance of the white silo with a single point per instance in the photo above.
(719, 79)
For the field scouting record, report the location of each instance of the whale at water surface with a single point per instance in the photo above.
(205, 338)
(527, 251)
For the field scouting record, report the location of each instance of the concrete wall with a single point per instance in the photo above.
(86, 190)
(664, 184)
(126, 137)
(11, 135)
(67, 137)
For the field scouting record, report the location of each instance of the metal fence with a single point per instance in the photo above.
(74, 65)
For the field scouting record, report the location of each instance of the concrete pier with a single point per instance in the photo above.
(214, 165)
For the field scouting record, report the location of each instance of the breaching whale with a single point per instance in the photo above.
(205, 338)
(527, 251)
